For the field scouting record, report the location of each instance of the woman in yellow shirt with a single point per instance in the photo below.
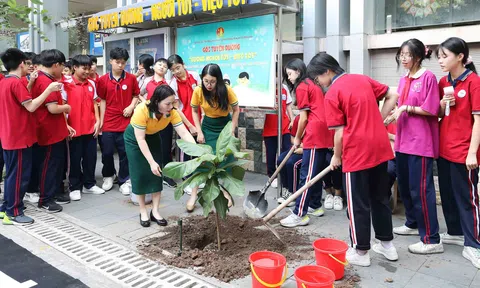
(143, 145)
(217, 101)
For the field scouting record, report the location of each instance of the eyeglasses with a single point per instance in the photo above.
(28, 63)
(210, 83)
(405, 56)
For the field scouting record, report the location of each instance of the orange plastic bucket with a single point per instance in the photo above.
(269, 269)
(314, 277)
(331, 253)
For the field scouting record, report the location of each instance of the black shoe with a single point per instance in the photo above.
(161, 222)
(169, 182)
(62, 199)
(51, 207)
(144, 223)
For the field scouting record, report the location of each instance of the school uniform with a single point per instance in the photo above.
(416, 145)
(290, 174)
(83, 151)
(392, 164)
(51, 133)
(458, 186)
(118, 95)
(18, 135)
(316, 141)
(270, 132)
(2, 162)
(351, 102)
(334, 178)
(183, 94)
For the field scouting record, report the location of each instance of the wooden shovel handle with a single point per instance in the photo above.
(296, 194)
(279, 168)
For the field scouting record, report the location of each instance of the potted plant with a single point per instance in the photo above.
(213, 169)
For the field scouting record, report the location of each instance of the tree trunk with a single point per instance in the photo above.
(218, 231)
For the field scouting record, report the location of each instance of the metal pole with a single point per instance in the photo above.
(279, 93)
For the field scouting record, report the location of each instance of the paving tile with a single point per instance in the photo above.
(449, 271)
(427, 281)
(141, 233)
(380, 270)
(476, 281)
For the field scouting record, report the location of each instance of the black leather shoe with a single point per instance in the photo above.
(144, 223)
(161, 222)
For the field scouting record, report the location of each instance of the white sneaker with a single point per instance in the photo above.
(75, 195)
(356, 259)
(126, 188)
(328, 202)
(32, 197)
(390, 253)
(337, 203)
(472, 254)
(285, 195)
(188, 190)
(294, 221)
(93, 190)
(274, 183)
(404, 230)
(316, 212)
(107, 183)
(452, 239)
(422, 248)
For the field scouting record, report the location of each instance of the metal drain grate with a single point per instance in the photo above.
(118, 263)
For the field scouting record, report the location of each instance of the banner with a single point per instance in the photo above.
(96, 44)
(244, 50)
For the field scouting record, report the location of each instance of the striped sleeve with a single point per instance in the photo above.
(176, 120)
(140, 116)
(232, 98)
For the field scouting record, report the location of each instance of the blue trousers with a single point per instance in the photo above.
(34, 184)
(83, 159)
(110, 142)
(2, 162)
(51, 170)
(334, 178)
(271, 146)
(19, 168)
(392, 172)
(417, 190)
(290, 173)
(313, 162)
(458, 190)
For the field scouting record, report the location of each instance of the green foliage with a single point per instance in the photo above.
(10, 10)
(215, 171)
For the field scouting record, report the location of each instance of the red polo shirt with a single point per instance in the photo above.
(17, 123)
(118, 96)
(351, 101)
(310, 98)
(152, 85)
(81, 97)
(271, 120)
(95, 79)
(51, 128)
(456, 129)
(293, 132)
(184, 90)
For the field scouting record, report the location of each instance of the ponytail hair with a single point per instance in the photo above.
(458, 46)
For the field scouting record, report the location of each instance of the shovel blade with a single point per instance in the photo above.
(255, 205)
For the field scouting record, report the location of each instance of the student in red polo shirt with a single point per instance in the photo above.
(459, 154)
(119, 93)
(85, 119)
(362, 149)
(270, 132)
(93, 75)
(32, 74)
(312, 127)
(52, 131)
(18, 133)
(2, 163)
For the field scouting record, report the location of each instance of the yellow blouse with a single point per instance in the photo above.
(146, 120)
(213, 112)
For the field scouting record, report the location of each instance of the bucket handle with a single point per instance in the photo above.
(335, 258)
(265, 283)
(303, 286)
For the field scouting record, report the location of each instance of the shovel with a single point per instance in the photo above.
(255, 205)
(292, 198)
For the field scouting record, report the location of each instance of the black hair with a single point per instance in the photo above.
(118, 53)
(296, 65)
(220, 99)
(37, 60)
(227, 81)
(321, 63)
(93, 58)
(30, 55)
(160, 94)
(243, 75)
(417, 50)
(81, 60)
(12, 58)
(68, 65)
(457, 46)
(174, 59)
(162, 60)
(52, 56)
(147, 61)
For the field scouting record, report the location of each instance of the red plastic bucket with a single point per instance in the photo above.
(269, 269)
(331, 253)
(314, 277)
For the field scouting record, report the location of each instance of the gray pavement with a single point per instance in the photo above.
(113, 216)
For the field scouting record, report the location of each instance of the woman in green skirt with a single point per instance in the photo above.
(217, 101)
(144, 149)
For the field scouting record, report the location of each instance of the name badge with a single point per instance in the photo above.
(124, 87)
(462, 93)
(90, 88)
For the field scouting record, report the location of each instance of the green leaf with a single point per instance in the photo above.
(194, 149)
(223, 141)
(12, 3)
(207, 206)
(241, 155)
(234, 186)
(211, 190)
(177, 170)
(221, 206)
(38, 2)
(199, 178)
(238, 172)
(239, 162)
